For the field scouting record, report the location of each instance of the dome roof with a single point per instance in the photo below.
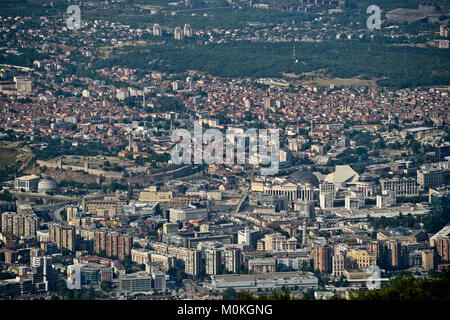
(304, 177)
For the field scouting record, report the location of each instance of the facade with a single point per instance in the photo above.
(401, 186)
(213, 261)
(112, 244)
(443, 248)
(263, 265)
(265, 281)
(387, 199)
(64, 236)
(157, 30)
(427, 260)
(46, 185)
(23, 224)
(180, 214)
(322, 258)
(27, 183)
(141, 256)
(169, 228)
(159, 281)
(278, 242)
(135, 282)
(434, 177)
(192, 262)
(178, 33)
(187, 31)
(232, 259)
(362, 258)
(354, 201)
(338, 262)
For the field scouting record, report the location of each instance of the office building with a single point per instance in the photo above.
(43, 275)
(27, 183)
(338, 267)
(159, 281)
(135, 282)
(180, 214)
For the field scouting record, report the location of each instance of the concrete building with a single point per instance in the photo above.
(24, 224)
(141, 256)
(354, 201)
(192, 262)
(135, 282)
(159, 281)
(387, 199)
(322, 258)
(434, 176)
(428, 260)
(233, 259)
(180, 214)
(64, 236)
(213, 261)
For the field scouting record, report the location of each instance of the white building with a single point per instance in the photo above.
(180, 214)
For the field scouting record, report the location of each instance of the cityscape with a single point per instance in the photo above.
(224, 150)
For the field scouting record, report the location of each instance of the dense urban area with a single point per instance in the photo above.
(93, 205)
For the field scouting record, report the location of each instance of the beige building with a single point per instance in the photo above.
(401, 186)
(428, 260)
(263, 265)
(20, 224)
(192, 262)
(64, 236)
(150, 194)
(278, 242)
(169, 228)
(213, 262)
(362, 258)
(140, 256)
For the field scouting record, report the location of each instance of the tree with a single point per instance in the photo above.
(229, 294)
